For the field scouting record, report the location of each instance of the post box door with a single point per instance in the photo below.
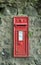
(21, 41)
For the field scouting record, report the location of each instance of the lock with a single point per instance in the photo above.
(20, 36)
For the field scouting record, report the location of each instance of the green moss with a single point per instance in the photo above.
(30, 33)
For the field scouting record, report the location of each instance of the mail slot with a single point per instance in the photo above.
(20, 37)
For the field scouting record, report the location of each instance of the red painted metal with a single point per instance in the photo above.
(20, 37)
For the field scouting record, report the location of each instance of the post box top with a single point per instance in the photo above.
(20, 20)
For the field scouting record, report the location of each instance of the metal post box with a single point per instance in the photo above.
(20, 37)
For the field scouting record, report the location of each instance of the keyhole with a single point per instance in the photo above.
(18, 44)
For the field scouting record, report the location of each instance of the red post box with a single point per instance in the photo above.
(20, 31)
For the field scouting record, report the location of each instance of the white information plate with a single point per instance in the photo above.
(20, 35)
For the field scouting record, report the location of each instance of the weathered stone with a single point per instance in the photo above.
(0, 21)
(30, 11)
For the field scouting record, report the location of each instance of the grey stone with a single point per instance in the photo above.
(0, 21)
(30, 11)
